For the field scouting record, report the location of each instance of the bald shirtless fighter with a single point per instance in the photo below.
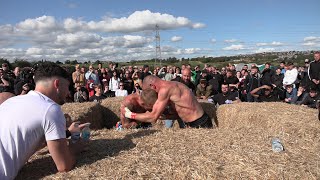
(178, 96)
(137, 103)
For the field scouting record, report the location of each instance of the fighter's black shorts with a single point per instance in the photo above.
(203, 122)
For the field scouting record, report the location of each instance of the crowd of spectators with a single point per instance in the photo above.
(275, 82)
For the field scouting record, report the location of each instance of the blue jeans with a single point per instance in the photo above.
(169, 123)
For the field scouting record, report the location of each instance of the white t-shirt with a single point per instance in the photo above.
(114, 84)
(26, 122)
(122, 92)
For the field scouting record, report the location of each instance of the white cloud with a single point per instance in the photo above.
(176, 38)
(198, 25)
(76, 39)
(139, 21)
(262, 44)
(191, 50)
(311, 38)
(260, 50)
(213, 40)
(54, 39)
(230, 40)
(310, 44)
(43, 24)
(234, 47)
(274, 43)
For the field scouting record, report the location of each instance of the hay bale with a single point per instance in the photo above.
(111, 110)
(210, 109)
(185, 154)
(85, 112)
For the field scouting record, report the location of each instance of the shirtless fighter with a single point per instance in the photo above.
(178, 96)
(137, 103)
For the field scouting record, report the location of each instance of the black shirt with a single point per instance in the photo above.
(221, 98)
(189, 83)
(314, 70)
(270, 98)
(97, 98)
(231, 80)
(144, 74)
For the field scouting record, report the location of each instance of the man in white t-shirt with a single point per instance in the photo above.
(29, 121)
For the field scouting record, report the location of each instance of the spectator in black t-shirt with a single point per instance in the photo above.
(98, 96)
(186, 79)
(264, 94)
(215, 81)
(107, 92)
(251, 82)
(267, 74)
(231, 79)
(225, 97)
(145, 72)
(128, 82)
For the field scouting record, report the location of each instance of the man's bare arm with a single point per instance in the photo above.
(61, 155)
(157, 110)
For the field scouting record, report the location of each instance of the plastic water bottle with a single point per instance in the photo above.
(75, 136)
(276, 145)
(85, 133)
(119, 126)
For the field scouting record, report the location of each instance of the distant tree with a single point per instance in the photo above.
(58, 62)
(97, 62)
(67, 62)
(22, 63)
(74, 62)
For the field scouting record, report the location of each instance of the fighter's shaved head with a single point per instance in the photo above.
(149, 80)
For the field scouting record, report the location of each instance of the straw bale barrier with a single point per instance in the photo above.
(111, 111)
(85, 112)
(239, 148)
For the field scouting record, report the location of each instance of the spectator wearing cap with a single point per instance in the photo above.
(204, 90)
(145, 72)
(264, 94)
(312, 98)
(314, 72)
(203, 75)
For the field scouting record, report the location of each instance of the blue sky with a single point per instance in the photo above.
(123, 30)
